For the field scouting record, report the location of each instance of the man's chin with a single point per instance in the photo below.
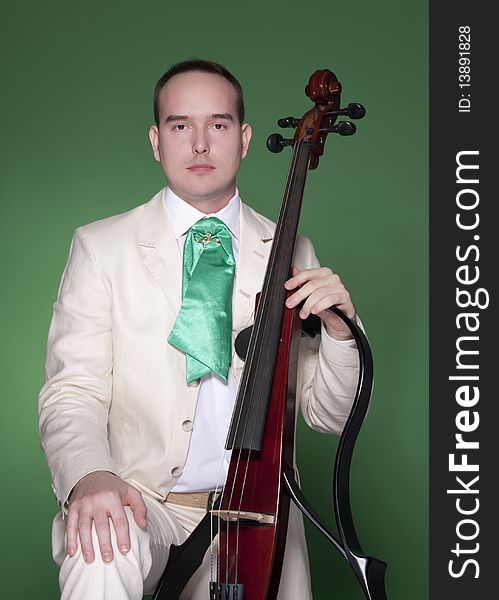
(207, 199)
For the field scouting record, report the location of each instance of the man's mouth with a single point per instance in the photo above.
(200, 167)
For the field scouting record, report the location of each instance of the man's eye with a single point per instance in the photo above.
(179, 127)
(219, 126)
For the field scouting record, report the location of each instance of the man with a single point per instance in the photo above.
(134, 446)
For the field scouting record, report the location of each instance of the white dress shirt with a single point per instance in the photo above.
(207, 460)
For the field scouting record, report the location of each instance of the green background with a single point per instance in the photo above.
(77, 80)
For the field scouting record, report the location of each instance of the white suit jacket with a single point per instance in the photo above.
(115, 396)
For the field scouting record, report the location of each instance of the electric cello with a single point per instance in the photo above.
(250, 515)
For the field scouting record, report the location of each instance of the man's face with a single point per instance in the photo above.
(199, 141)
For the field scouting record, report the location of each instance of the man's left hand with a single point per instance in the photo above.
(318, 290)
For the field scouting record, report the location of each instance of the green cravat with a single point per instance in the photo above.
(204, 323)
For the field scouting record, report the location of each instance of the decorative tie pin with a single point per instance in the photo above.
(206, 238)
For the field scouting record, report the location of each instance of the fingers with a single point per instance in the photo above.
(317, 285)
(85, 534)
(97, 500)
(318, 290)
(72, 532)
(80, 525)
(101, 522)
(319, 301)
(138, 507)
(301, 277)
(79, 528)
(120, 523)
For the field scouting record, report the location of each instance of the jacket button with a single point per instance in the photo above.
(187, 425)
(177, 471)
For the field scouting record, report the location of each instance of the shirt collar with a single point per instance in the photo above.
(183, 215)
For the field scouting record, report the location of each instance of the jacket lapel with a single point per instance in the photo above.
(163, 259)
(161, 252)
(256, 241)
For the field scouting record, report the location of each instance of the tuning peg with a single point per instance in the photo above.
(288, 122)
(275, 142)
(354, 110)
(343, 128)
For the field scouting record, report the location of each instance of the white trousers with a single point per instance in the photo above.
(131, 575)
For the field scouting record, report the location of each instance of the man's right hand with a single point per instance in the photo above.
(94, 499)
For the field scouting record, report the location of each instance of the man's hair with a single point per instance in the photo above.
(204, 66)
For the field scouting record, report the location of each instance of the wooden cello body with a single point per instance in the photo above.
(258, 500)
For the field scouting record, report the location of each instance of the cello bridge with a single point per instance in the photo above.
(242, 515)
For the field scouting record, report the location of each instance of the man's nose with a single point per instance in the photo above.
(200, 144)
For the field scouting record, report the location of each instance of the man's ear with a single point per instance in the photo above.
(154, 139)
(246, 137)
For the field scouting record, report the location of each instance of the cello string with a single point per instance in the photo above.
(219, 485)
(264, 299)
(218, 489)
(249, 361)
(287, 202)
(222, 493)
(298, 156)
(257, 328)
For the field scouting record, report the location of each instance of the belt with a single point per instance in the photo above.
(202, 500)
